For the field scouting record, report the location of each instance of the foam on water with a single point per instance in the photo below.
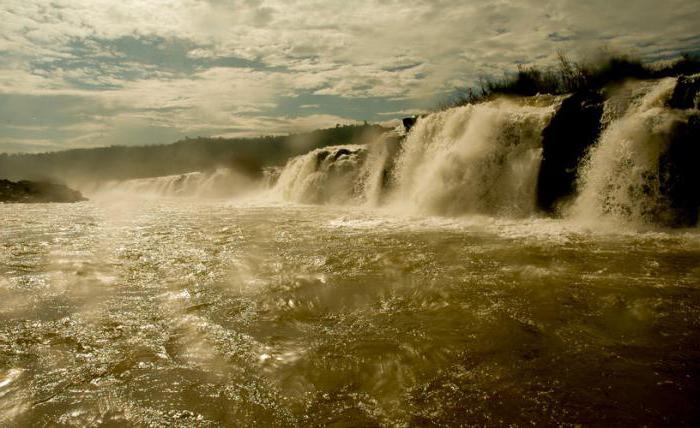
(297, 315)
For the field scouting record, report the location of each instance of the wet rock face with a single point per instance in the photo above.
(342, 152)
(320, 157)
(33, 191)
(679, 174)
(573, 129)
(408, 122)
(329, 158)
(392, 145)
(686, 94)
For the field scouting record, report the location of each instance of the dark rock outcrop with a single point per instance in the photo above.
(341, 152)
(686, 93)
(320, 157)
(679, 174)
(408, 122)
(35, 191)
(573, 129)
(392, 147)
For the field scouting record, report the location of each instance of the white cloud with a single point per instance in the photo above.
(403, 113)
(383, 49)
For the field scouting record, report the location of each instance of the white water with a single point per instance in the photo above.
(476, 159)
(377, 168)
(220, 183)
(328, 175)
(619, 181)
(484, 159)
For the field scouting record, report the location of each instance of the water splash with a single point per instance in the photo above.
(484, 159)
(377, 172)
(620, 181)
(476, 159)
(219, 183)
(328, 175)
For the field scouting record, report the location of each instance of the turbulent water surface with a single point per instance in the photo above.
(206, 313)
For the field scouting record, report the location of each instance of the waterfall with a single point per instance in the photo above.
(270, 176)
(622, 179)
(376, 174)
(350, 174)
(327, 175)
(622, 154)
(219, 183)
(479, 159)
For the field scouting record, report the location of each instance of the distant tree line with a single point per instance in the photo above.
(248, 155)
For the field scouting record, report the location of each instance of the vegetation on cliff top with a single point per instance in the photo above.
(569, 76)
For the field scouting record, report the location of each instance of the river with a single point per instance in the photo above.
(183, 312)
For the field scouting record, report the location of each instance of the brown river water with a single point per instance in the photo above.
(184, 312)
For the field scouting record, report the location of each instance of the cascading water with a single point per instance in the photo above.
(220, 183)
(350, 174)
(328, 175)
(480, 159)
(376, 174)
(485, 159)
(270, 176)
(621, 179)
(619, 100)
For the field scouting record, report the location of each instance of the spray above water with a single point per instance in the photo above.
(220, 183)
(476, 159)
(625, 178)
(328, 175)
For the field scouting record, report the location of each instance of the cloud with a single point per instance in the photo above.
(403, 113)
(178, 67)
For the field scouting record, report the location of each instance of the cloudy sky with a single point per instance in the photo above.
(86, 73)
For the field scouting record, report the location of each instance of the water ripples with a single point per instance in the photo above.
(204, 313)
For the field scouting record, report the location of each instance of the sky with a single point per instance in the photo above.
(90, 73)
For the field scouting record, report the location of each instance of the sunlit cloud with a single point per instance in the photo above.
(220, 67)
